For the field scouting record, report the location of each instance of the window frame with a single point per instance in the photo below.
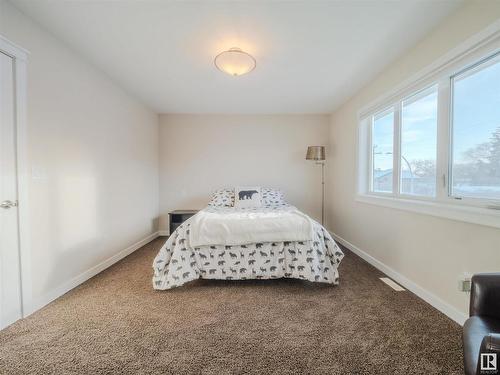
(418, 93)
(471, 54)
(473, 201)
(380, 114)
(397, 109)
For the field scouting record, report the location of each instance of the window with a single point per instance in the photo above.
(476, 131)
(382, 151)
(417, 174)
(434, 146)
(418, 144)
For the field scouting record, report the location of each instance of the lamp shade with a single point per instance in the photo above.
(315, 153)
(235, 62)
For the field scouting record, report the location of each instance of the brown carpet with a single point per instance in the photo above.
(116, 323)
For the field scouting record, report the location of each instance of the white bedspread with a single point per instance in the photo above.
(240, 227)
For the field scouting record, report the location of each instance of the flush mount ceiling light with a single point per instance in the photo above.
(235, 62)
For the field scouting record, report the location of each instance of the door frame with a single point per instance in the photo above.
(20, 57)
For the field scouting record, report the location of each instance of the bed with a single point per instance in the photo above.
(224, 241)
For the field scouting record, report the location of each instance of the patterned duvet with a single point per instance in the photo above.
(178, 263)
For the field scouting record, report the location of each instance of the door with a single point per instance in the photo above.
(10, 281)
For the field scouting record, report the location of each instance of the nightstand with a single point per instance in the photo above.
(177, 217)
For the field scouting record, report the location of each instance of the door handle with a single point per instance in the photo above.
(8, 204)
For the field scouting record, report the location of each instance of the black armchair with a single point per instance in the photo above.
(481, 332)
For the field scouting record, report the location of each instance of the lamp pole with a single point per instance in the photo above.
(317, 154)
(322, 191)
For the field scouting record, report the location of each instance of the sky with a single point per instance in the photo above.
(477, 108)
(476, 115)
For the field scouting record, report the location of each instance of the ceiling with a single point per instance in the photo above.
(311, 55)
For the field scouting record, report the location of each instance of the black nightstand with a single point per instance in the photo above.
(177, 217)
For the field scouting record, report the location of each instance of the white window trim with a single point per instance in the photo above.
(474, 215)
(472, 210)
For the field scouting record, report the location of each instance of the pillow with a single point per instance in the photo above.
(272, 197)
(222, 198)
(247, 197)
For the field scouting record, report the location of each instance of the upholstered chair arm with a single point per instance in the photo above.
(485, 295)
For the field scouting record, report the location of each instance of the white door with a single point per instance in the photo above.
(10, 284)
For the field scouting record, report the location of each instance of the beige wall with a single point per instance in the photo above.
(94, 155)
(430, 251)
(201, 153)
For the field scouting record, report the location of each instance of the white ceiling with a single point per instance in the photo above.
(311, 55)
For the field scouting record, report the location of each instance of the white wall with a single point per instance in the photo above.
(430, 251)
(93, 151)
(201, 153)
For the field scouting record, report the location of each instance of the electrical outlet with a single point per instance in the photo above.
(466, 285)
(465, 282)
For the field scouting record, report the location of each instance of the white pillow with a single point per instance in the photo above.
(272, 197)
(222, 198)
(247, 197)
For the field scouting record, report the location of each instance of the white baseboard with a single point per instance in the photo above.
(163, 233)
(74, 282)
(450, 311)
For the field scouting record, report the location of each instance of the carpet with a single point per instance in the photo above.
(116, 323)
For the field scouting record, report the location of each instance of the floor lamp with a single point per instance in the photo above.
(317, 153)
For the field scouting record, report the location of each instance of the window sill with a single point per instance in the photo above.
(475, 215)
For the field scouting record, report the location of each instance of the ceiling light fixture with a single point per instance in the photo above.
(235, 62)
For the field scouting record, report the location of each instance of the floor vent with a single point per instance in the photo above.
(392, 284)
